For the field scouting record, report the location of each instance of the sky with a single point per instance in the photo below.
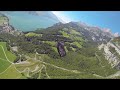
(103, 19)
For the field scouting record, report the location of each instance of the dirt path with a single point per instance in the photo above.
(73, 71)
(5, 69)
(6, 55)
(114, 75)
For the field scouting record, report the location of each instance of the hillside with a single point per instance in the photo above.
(38, 57)
(91, 52)
(5, 26)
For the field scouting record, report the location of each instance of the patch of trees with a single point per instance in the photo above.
(30, 44)
(88, 50)
(112, 49)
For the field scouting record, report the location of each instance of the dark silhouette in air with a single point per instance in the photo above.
(61, 49)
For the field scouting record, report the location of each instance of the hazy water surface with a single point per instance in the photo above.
(27, 22)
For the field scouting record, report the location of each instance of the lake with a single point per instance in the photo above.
(28, 22)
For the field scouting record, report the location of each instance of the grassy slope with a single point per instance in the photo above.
(10, 55)
(64, 34)
(4, 64)
(55, 49)
(10, 73)
(56, 73)
(76, 61)
(29, 67)
(77, 44)
(53, 72)
(30, 34)
(2, 20)
(81, 63)
(73, 61)
(52, 43)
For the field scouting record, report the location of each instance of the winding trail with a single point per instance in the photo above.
(3, 59)
(117, 74)
(6, 60)
(74, 71)
(6, 55)
(5, 69)
(44, 63)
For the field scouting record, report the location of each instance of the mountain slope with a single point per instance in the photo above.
(111, 51)
(5, 26)
(82, 51)
(91, 52)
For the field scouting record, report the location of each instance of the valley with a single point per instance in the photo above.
(91, 53)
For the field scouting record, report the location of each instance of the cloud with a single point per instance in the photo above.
(61, 16)
(116, 34)
(106, 29)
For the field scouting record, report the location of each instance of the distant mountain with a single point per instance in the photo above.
(48, 14)
(30, 20)
(91, 33)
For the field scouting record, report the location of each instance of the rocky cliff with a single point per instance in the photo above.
(5, 27)
(111, 51)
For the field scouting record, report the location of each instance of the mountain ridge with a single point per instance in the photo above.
(90, 52)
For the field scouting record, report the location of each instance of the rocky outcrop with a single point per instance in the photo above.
(5, 27)
(111, 57)
(4, 24)
(114, 46)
